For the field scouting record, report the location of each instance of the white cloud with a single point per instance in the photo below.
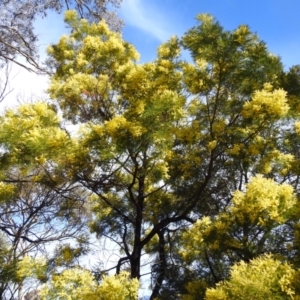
(25, 87)
(144, 16)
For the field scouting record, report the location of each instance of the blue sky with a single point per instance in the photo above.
(151, 22)
(148, 23)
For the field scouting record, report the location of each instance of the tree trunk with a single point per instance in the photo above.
(162, 266)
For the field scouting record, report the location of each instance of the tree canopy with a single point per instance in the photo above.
(188, 167)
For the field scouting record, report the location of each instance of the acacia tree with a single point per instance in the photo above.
(166, 143)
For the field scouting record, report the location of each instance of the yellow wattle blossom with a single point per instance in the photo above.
(219, 127)
(265, 103)
(264, 199)
(163, 50)
(262, 278)
(119, 124)
(7, 191)
(241, 34)
(31, 267)
(297, 127)
(170, 49)
(201, 63)
(146, 144)
(196, 290)
(79, 284)
(206, 19)
(212, 145)
(263, 204)
(235, 150)
(139, 107)
(268, 87)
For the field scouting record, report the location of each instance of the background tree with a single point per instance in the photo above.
(37, 210)
(17, 35)
(5, 88)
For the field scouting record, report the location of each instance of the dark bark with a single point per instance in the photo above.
(162, 266)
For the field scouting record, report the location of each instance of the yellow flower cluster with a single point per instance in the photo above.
(212, 145)
(119, 124)
(7, 191)
(169, 50)
(262, 278)
(32, 129)
(265, 103)
(297, 127)
(79, 284)
(264, 201)
(31, 267)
